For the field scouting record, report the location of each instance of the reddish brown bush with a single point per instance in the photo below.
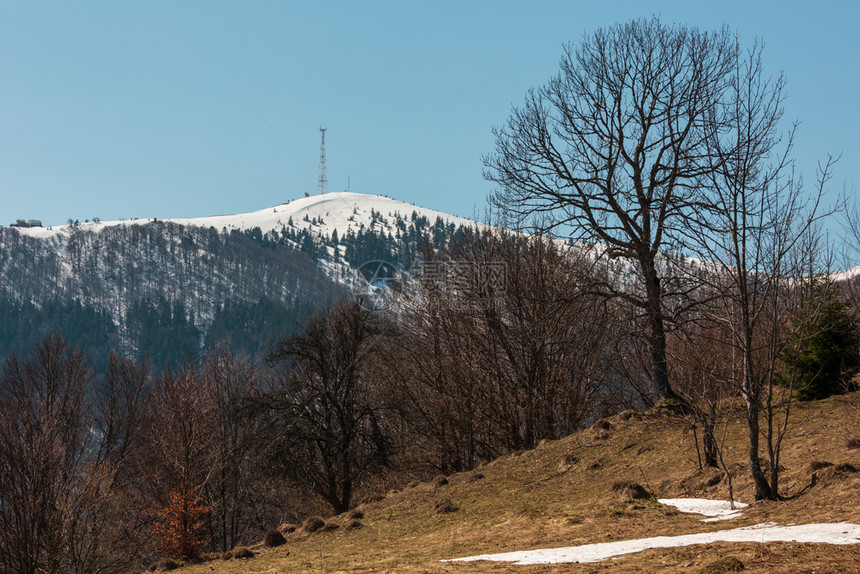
(178, 523)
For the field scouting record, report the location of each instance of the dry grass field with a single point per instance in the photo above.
(561, 494)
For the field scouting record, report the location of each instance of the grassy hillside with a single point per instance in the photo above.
(561, 494)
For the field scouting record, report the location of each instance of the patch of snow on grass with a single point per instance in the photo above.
(716, 509)
(838, 533)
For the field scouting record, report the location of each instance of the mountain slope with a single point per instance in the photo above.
(298, 255)
(562, 494)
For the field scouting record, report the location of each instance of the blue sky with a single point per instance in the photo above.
(153, 109)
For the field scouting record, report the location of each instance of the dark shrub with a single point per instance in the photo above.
(440, 481)
(312, 524)
(242, 552)
(631, 490)
(356, 515)
(629, 414)
(274, 538)
(727, 564)
(714, 479)
(444, 506)
(566, 462)
(602, 424)
(817, 465)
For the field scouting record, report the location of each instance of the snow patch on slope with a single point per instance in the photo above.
(715, 509)
(838, 533)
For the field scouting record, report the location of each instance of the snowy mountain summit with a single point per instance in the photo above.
(326, 213)
(319, 214)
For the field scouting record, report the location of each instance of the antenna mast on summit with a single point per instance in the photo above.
(323, 183)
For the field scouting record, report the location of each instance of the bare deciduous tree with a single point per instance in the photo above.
(704, 378)
(65, 446)
(180, 437)
(614, 147)
(329, 409)
(501, 346)
(752, 220)
(235, 489)
(201, 440)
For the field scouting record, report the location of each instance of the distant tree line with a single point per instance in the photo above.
(23, 324)
(165, 290)
(164, 333)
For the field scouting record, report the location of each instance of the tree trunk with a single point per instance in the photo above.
(656, 332)
(762, 488)
(709, 441)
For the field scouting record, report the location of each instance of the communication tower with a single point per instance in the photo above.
(323, 183)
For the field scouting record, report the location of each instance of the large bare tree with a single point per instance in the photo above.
(612, 149)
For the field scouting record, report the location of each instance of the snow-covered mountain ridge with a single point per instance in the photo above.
(320, 214)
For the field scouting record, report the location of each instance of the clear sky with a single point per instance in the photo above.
(160, 108)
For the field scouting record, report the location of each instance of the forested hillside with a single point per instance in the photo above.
(168, 289)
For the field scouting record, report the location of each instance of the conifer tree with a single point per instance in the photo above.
(826, 344)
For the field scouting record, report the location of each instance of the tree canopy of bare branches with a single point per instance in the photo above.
(327, 403)
(66, 440)
(501, 346)
(614, 147)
